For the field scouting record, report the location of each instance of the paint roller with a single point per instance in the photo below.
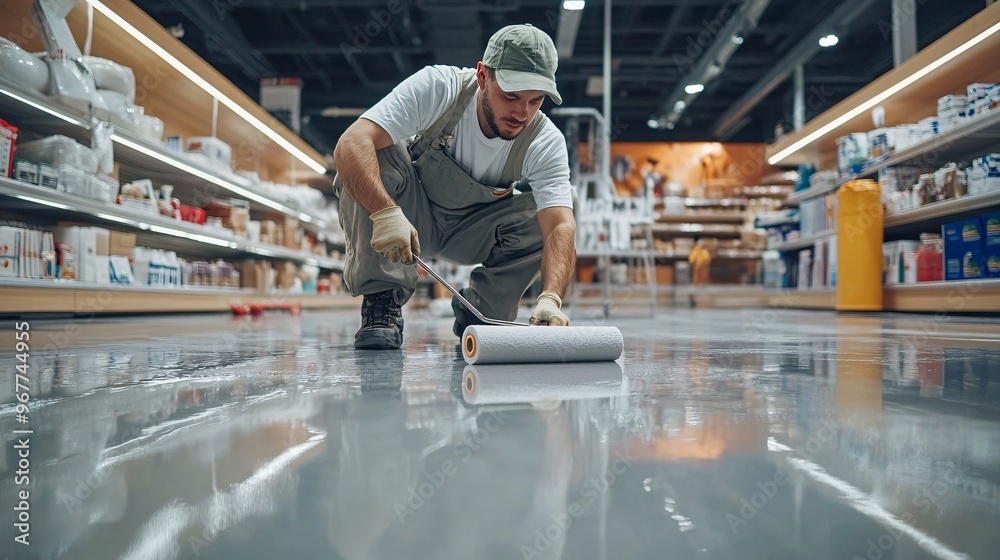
(508, 342)
(514, 384)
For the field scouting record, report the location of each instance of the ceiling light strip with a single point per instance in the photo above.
(892, 90)
(209, 88)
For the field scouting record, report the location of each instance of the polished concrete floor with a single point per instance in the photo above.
(751, 434)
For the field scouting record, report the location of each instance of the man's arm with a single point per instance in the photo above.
(559, 249)
(357, 164)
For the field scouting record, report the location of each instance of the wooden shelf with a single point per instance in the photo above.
(966, 296)
(152, 230)
(914, 100)
(19, 297)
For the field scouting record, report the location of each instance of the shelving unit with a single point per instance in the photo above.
(979, 136)
(139, 158)
(908, 93)
(193, 99)
(153, 230)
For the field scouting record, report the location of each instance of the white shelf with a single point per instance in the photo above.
(975, 138)
(141, 157)
(708, 217)
(199, 238)
(797, 197)
(714, 202)
(697, 229)
(936, 212)
(802, 243)
(54, 284)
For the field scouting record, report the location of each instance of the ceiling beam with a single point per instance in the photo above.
(712, 58)
(839, 22)
(223, 35)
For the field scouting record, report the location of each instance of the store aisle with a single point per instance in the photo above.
(748, 434)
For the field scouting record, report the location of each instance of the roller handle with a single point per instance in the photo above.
(464, 301)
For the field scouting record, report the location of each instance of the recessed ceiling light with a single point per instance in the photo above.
(828, 41)
(573, 5)
(692, 89)
(737, 39)
(653, 123)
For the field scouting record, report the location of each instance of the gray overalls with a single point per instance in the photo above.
(456, 217)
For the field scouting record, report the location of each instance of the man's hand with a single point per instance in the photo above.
(547, 311)
(393, 236)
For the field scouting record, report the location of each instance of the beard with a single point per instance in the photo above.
(491, 117)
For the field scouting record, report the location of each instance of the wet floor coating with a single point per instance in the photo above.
(754, 434)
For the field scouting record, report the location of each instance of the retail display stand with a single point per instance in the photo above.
(195, 100)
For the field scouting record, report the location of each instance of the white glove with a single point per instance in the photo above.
(547, 311)
(393, 236)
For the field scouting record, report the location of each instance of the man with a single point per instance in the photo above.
(461, 164)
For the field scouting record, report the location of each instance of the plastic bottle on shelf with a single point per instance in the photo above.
(930, 258)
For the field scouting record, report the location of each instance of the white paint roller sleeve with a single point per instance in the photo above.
(491, 344)
(511, 384)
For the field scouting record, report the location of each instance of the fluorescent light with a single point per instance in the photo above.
(692, 89)
(892, 90)
(573, 5)
(200, 174)
(57, 114)
(653, 123)
(194, 236)
(209, 88)
(828, 41)
(680, 106)
(737, 39)
(43, 202)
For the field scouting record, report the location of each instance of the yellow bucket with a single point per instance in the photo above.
(859, 247)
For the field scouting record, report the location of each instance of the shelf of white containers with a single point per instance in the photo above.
(196, 239)
(144, 159)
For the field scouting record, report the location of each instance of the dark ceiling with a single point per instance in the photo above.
(350, 53)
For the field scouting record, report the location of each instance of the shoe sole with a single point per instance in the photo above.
(377, 341)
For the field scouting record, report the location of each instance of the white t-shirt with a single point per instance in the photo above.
(421, 99)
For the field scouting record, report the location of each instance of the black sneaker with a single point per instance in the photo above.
(381, 323)
(463, 317)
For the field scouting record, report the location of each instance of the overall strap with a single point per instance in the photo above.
(446, 123)
(512, 170)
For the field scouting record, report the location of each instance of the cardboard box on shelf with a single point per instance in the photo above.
(291, 233)
(288, 272)
(235, 214)
(121, 244)
(269, 232)
(255, 274)
(963, 249)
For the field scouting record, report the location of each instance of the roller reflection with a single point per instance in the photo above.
(512, 384)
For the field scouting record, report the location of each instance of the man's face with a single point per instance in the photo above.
(508, 113)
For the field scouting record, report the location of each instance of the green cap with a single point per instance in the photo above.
(525, 58)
